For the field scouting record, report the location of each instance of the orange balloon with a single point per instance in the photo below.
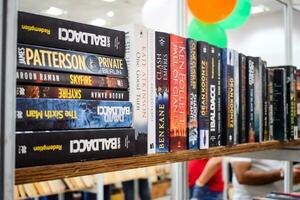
(211, 11)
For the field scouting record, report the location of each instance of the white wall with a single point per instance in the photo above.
(296, 39)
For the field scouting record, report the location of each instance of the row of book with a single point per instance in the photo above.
(72, 93)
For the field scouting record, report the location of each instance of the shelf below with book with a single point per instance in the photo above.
(51, 172)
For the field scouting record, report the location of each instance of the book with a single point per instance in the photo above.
(213, 91)
(292, 128)
(136, 56)
(52, 32)
(237, 105)
(44, 58)
(34, 91)
(227, 73)
(250, 123)
(270, 99)
(203, 94)
(219, 98)
(178, 93)
(279, 105)
(162, 64)
(266, 134)
(66, 146)
(192, 78)
(69, 79)
(56, 114)
(243, 137)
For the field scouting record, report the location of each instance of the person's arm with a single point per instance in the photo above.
(246, 176)
(211, 168)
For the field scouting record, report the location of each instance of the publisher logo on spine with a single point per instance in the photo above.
(92, 63)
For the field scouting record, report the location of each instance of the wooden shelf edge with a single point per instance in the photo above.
(51, 172)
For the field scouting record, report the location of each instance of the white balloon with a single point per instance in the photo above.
(160, 15)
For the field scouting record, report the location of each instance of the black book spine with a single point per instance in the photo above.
(227, 74)
(203, 95)
(69, 79)
(192, 94)
(58, 33)
(57, 147)
(279, 104)
(270, 77)
(266, 134)
(44, 58)
(250, 101)
(219, 99)
(33, 91)
(213, 91)
(162, 63)
(243, 136)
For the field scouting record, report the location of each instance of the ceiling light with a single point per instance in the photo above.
(54, 11)
(259, 9)
(110, 13)
(98, 22)
(109, 1)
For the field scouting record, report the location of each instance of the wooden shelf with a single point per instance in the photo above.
(51, 172)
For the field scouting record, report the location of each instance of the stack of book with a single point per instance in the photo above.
(72, 92)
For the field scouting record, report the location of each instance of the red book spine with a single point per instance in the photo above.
(178, 93)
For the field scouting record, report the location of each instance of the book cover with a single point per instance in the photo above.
(243, 136)
(56, 147)
(192, 94)
(279, 105)
(203, 94)
(34, 91)
(178, 93)
(56, 114)
(25, 76)
(250, 124)
(227, 73)
(266, 135)
(162, 64)
(219, 98)
(236, 97)
(270, 77)
(213, 91)
(136, 56)
(52, 32)
(44, 58)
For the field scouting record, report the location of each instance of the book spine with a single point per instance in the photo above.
(213, 90)
(178, 93)
(227, 96)
(266, 134)
(58, 33)
(236, 97)
(192, 94)
(137, 61)
(250, 100)
(33, 91)
(44, 58)
(151, 92)
(68, 79)
(219, 99)
(203, 95)
(56, 114)
(57, 147)
(258, 99)
(294, 102)
(270, 75)
(162, 63)
(243, 98)
(279, 104)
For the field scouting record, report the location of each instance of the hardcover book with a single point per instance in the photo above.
(250, 123)
(33, 91)
(266, 135)
(219, 99)
(227, 72)
(58, 33)
(44, 58)
(25, 76)
(235, 55)
(192, 94)
(203, 94)
(56, 114)
(65, 146)
(136, 56)
(178, 93)
(270, 77)
(243, 137)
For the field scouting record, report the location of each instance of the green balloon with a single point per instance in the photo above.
(239, 15)
(211, 33)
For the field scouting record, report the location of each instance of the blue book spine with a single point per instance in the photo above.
(57, 114)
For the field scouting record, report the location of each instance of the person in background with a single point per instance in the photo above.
(205, 179)
(257, 178)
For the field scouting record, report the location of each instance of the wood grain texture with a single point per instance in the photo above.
(51, 172)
